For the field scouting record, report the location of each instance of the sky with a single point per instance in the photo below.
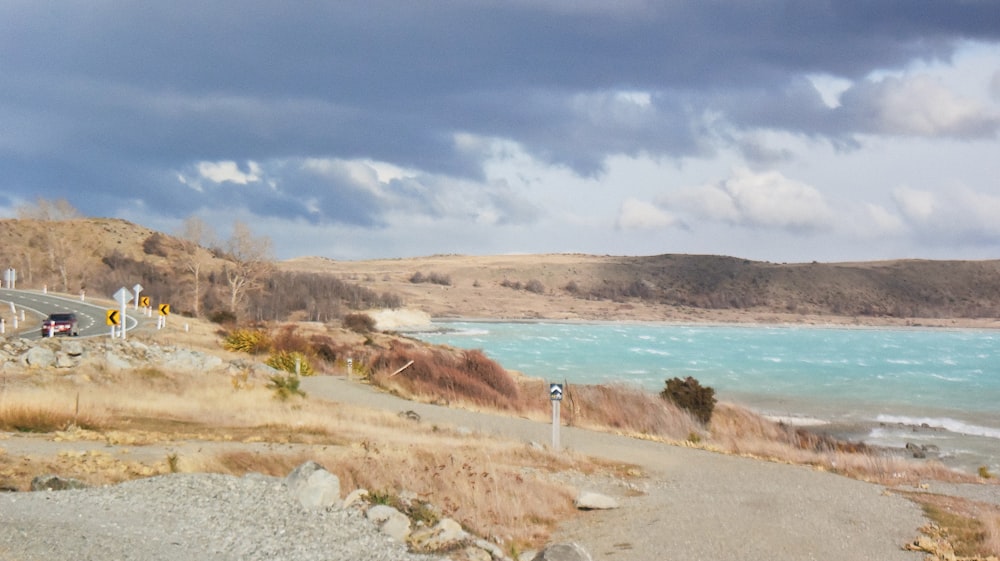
(782, 131)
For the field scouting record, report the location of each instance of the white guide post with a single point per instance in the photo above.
(555, 395)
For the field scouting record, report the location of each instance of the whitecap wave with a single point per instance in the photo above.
(946, 423)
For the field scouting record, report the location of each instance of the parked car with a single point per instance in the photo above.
(60, 324)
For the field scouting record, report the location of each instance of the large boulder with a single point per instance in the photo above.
(589, 500)
(446, 535)
(39, 357)
(390, 521)
(314, 487)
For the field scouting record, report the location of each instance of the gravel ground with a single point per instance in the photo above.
(204, 516)
(695, 505)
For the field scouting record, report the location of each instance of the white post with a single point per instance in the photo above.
(555, 424)
(350, 367)
(3, 327)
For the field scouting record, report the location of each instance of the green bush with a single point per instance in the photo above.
(251, 341)
(285, 387)
(690, 395)
(285, 361)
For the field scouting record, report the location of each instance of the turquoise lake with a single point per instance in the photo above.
(927, 386)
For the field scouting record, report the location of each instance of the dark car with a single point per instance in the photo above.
(59, 324)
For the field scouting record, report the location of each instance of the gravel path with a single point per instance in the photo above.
(696, 505)
(699, 505)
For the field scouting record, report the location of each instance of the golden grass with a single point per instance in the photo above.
(498, 489)
(37, 411)
(960, 528)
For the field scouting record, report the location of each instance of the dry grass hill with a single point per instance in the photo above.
(102, 254)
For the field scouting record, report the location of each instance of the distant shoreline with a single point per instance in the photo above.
(847, 323)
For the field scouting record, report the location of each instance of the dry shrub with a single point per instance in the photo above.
(627, 409)
(287, 339)
(243, 462)
(39, 413)
(475, 487)
(439, 374)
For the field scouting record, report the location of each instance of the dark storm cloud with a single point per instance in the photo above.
(109, 98)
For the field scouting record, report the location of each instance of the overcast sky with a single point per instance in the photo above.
(784, 131)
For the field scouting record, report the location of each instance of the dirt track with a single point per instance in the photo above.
(697, 505)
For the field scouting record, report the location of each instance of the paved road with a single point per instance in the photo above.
(699, 505)
(36, 305)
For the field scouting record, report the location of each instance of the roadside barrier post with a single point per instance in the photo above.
(555, 395)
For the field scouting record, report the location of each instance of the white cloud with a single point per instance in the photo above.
(923, 106)
(642, 215)
(914, 204)
(880, 221)
(768, 200)
(227, 171)
(829, 87)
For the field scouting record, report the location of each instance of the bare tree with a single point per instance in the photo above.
(250, 260)
(56, 246)
(196, 232)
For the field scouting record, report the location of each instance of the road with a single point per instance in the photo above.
(37, 305)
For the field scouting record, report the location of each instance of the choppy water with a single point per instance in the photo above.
(927, 386)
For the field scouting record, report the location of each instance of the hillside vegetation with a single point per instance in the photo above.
(100, 255)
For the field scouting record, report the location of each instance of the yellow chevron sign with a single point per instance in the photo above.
(111, 317)
(144, 301)
(164, 309)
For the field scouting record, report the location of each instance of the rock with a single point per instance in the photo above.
(64, 360)
(356, 496)
(55, 483)
(313, 486)
(390, 521)
(116, 362)
(410, 414)
(494, 551)
(39, 357)
(589, 500)
(563, 552)
(73, 348)
(444, 536)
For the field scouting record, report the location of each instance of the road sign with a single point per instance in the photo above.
(556, 392)
(123, 296)
(111, 317)
(164, 309)
(144, 301)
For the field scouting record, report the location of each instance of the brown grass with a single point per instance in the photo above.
(437, 375)
(495, 488)
(37, 412)
(961, 527)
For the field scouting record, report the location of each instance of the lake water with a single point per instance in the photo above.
(891, 386)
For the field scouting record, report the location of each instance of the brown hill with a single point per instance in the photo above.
(103, 254)
(683, 288)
